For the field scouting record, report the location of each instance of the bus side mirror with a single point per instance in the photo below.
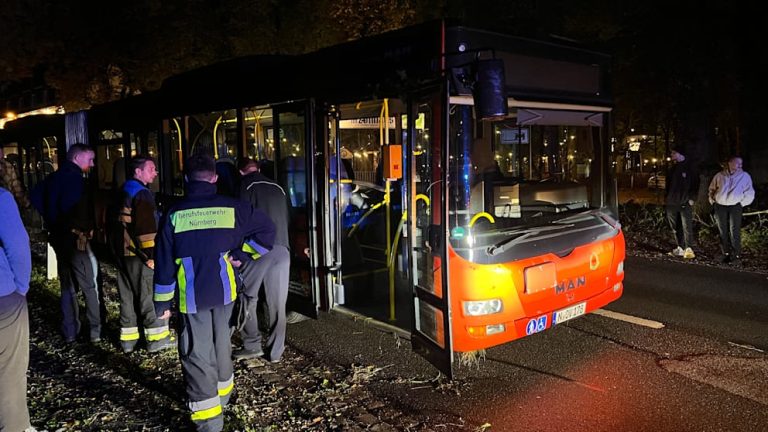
(490, 90)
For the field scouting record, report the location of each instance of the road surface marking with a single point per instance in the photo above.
(629, 318)
(745, 346)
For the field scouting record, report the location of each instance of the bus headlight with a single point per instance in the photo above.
(482, 307)
(620, 268)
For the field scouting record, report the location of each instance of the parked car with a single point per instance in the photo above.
(657, 181)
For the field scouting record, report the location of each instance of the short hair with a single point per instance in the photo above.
(138, 162)
(77, 149)
(245, 163)
(200, 167)
(732, 157)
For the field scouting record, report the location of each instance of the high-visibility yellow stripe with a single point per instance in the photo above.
(158, 336)
(163, 297)
(147, 244)
(182, 278)
(251, 251)
(207, 413)
(232, 283)
(226, 390)
(129, 333)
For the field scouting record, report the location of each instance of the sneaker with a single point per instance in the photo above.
(295, 317)
(736, 261)
(95, 339)
(677, 252)
(244, 354)
(70, 340)
(162, 344)
(688, 254)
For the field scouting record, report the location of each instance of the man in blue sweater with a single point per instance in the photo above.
(198, 244)
(15, 270)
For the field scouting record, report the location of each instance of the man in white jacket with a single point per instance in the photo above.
(730, 190)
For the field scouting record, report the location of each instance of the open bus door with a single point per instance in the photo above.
(292, 137)
(431, 329)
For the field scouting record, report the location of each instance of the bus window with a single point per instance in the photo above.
(215, 133)
(174, 134)
(517, 175)
(259, 138)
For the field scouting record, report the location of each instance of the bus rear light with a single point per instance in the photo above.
(620, 268)
(482, 307)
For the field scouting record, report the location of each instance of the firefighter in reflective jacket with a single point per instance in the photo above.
(138, 227)
(199, 242)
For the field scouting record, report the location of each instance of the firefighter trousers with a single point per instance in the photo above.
(78, 271)
(273, 269)
(206, 360)
(14, 360)
(134, 284)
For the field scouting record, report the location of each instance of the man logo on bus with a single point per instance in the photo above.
(570, 284)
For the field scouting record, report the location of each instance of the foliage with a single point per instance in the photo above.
(754, 235)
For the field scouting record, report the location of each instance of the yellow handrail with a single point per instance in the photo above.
(365, 215)
(481, 215)
(178, 132)
(215, 144)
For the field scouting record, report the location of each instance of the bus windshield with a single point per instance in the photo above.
(514, 182)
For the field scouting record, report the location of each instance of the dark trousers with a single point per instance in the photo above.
(729, 224)
(273, 269)
(205, 351)
(78, 271)
(14, 360)
(680, 220)
(134, 284)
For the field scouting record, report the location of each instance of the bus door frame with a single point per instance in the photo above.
(328, 210)
(306, 305)
(439, 356)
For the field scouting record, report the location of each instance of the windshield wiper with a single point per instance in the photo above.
(521, 235)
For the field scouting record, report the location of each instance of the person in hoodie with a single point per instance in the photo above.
(198, 246)
(66, 203)
(682, 189)
(15, 271)
(137, 228)
(730, 190)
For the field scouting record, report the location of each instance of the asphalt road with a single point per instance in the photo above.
(703, 367)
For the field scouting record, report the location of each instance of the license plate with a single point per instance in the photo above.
(568, 313)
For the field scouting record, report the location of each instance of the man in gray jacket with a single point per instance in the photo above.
(730, 190)
(273, 268)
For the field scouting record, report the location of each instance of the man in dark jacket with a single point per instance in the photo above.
(137, 229)
(198, 245)
(273, 269)
(66, 204)
(15, 271)
(681, 192)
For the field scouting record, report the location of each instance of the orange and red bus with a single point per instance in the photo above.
(451, 182)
